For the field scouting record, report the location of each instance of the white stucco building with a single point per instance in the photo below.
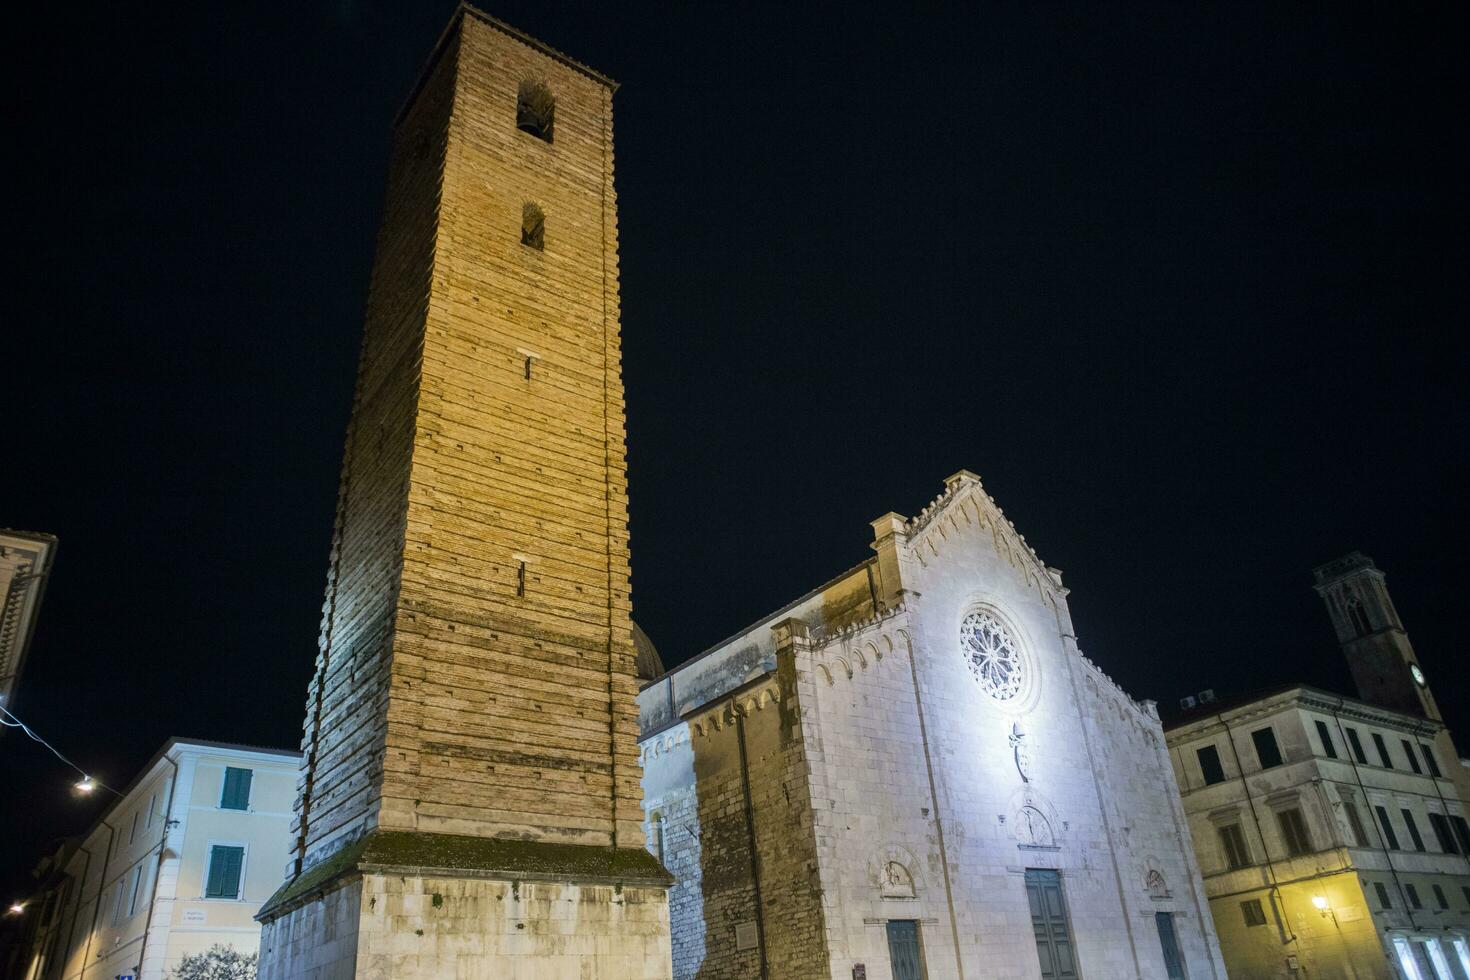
(912, 772)
(180, 863)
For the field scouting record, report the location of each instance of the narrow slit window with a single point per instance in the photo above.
(533, 226)
(528, 367)
(520, 578)
(535, 110)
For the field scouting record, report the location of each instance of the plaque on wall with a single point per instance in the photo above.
(746, 936)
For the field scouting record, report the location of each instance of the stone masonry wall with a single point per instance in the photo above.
(512, 710)
(346, 702)
(696, 793)
(418, 928)
(476, 674)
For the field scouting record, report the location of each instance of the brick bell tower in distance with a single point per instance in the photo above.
(469, 804)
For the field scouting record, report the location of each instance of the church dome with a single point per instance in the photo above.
(646, 661)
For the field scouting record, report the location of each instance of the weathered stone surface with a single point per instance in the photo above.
(476, 677)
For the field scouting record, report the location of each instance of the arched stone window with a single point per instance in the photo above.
(535, 110)
(1358, 615)
(533, 226)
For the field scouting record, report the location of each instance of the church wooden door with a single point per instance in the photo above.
(903, 949)
(1049, 921)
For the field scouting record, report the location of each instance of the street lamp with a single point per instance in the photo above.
(16, 908)
(87, 784)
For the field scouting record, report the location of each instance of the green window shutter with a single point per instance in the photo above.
(236, 793)
(224, 872)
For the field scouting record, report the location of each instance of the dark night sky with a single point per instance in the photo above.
(1185, 286)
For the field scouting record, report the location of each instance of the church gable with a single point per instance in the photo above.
(965, 517)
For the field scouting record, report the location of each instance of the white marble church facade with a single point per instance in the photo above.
(912, 772)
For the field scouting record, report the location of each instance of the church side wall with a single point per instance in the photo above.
(1153, 844)
(707, 800)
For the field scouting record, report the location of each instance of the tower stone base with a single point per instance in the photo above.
(559, 913)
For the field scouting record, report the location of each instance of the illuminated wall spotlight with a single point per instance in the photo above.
(1319, 903)
(87, 784)
(16, 908)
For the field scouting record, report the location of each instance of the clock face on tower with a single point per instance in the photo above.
(1417, 674)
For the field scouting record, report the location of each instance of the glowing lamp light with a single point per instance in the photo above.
(1319, 903)
(16, 908)
(87, 784)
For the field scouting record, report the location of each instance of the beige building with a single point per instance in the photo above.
(913, 772)
(179, 864)
(25, 565)
(1331, 831)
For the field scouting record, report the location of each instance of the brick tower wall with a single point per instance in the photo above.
(456, 692)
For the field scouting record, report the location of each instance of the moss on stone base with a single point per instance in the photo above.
(454, 856)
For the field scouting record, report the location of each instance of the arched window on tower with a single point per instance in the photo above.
(535, 110)
(1358, 616)
(533, 226)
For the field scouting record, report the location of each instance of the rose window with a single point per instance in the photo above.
(992, 654)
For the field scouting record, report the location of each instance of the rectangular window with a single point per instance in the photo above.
(117, 901)
(1430, 761)
(1387, 827)
(1294, 832)
(1266, 748)
(1443, 835)
(1356, 746)
(1439, 898)
(1413, 894)
(1383, 901)
(1382, 748)
(152, 806)
(1209, 765)
(133, 831)
(225, 863)
(1355, 823)
(1328, 748)
(1413, 829)
(1232, 842)
(135, 890)
(1411, 755)
(236, 792)
(1253, 913)
(1465, 890)
(1462, 833)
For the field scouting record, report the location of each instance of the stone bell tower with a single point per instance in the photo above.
(469, 802)
(1377, 648)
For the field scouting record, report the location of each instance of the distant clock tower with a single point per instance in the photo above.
(1378, 650)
